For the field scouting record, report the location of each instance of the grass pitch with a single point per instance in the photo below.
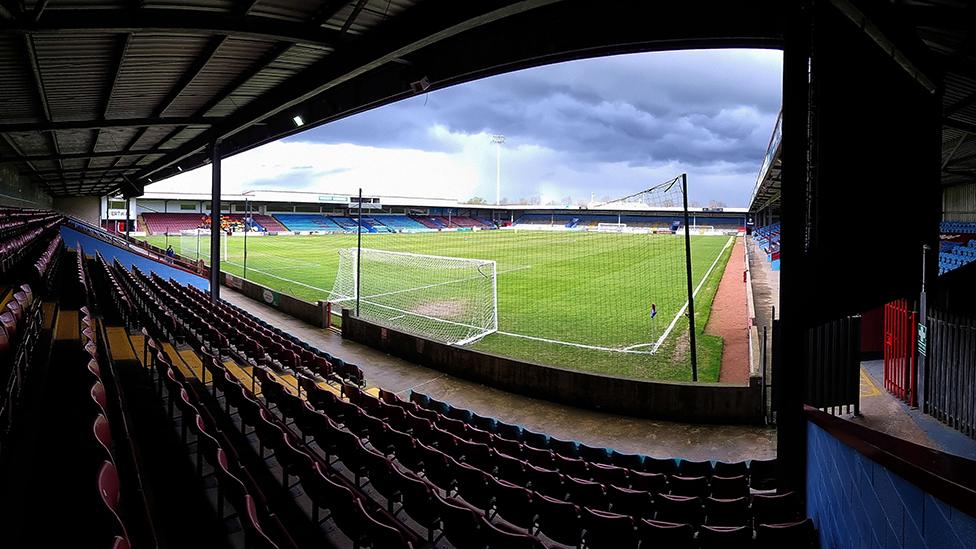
(579, 287)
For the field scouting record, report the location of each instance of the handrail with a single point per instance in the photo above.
(945, 476)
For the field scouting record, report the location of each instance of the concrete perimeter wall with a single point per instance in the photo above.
(316, 314)
(686, 402)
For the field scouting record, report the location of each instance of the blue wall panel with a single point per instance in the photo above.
(857, 503)
(109, 252)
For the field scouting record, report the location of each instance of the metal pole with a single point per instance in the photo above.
(215, 223)
(247, 216)
(691, 290)
(923, 318)
(359, 248)
(498, 173)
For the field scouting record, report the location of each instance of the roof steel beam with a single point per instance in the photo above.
(424, 25)
(74, 156)
(68, 125)
(177, 21)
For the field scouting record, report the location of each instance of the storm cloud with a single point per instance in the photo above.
(609, 126)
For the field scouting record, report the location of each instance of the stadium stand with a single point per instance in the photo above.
(967, 227)
(269, 223)
(401, 223)
(767, 238)
(261, 412)
(160, 223)
(953, 255)
(307, 222)
(429, 222)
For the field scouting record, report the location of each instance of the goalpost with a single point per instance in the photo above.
(448, 299)
(611, 227)
(195, 243)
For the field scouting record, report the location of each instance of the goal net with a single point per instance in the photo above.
(195, 244)
(611, 227)
(448, 299)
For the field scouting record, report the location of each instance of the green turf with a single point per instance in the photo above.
(583, 287)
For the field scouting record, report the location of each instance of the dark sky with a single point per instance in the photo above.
(608, 126)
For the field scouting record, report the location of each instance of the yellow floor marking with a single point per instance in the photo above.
(373, 391)
(118, 344)
(288, 381)
(67, 325)
(138, 345)
(868, 388)
(48, 310)
(193, 361)
(8, 296)
(325, 385)
(176, 359)
(243, 374)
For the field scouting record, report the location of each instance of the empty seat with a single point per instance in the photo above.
(733, 469)
(691, 468)
(775, 508)
(608, 530)
(688, 486)
(558, 520)
(795, 535)
(729, 487)
(655, 483)
(727, 512)
(513, 504)
(460, 524)
(657, 533)
(636, 503)
(630, 461)
(762, 474)
(680, 509)
(663, 466)
(722, 537)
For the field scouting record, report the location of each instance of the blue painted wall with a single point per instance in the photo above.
(109, 252)
(856, 503)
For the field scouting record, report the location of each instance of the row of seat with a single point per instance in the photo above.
(344, 500)
(107, 477)
(230, 330)
(499, 492)
(335, 433)
(556, 473)
(515, 440)
(16, 247)
(297, 354)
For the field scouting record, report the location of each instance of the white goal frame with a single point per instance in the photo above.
(341, 294)
(611, 227)
(202, 251)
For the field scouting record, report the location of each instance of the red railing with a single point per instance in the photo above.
(900, 373)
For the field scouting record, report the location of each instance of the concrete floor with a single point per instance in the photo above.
(626, 434)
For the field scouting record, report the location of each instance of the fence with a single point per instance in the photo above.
(900, 366)
(950, 371)
(834, 365)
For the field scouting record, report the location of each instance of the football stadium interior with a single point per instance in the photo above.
(282, 369)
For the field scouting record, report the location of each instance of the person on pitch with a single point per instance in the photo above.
(653, 314)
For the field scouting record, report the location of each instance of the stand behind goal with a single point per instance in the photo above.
(448, 299)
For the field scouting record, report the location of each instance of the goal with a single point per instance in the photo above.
(611, 227)
(448, 299)
(195, 244)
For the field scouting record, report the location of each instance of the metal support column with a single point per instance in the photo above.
(215, 223)
(359, 247)
(691, 286)
(790, 332)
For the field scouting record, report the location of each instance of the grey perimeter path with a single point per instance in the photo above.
(625, 434)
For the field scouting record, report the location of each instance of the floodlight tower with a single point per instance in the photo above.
(498, 140)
